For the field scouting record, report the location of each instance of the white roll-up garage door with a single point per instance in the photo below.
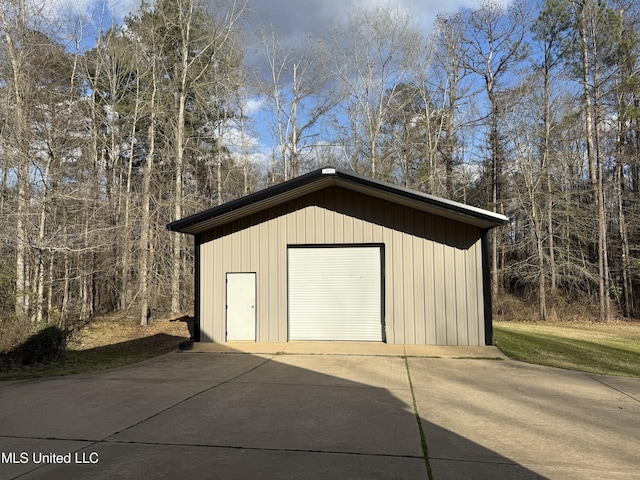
(335, 293)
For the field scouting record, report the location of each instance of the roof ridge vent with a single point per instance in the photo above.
(329, 171)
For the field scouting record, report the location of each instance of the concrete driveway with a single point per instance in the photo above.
(319, 411)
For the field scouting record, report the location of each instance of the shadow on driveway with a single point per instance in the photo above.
(243, 416)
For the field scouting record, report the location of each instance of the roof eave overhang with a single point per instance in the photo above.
(424, 202)
(320, 179)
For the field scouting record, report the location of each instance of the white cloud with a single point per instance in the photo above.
(61, 9)
(253, 105)
(296, 18)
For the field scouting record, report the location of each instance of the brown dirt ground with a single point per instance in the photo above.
(114, 329)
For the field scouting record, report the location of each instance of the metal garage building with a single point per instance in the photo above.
(332, 255)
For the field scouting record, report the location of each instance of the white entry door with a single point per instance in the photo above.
(241, 306)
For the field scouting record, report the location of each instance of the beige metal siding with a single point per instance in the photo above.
(433, 278)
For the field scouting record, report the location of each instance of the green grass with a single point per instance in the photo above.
(610, 349)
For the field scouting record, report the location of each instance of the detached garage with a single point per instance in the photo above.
(336, 256)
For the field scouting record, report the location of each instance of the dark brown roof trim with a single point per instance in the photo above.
(188, 224)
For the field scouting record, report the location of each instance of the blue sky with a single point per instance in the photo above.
(295, 19)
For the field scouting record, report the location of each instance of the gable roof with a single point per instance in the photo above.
(325, 177)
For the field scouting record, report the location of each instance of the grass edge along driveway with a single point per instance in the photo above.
(608, 349)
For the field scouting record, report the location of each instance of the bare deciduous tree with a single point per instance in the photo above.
(374, 53)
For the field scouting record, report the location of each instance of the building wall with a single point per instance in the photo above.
(432, 272)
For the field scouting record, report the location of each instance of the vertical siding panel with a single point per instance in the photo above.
(472, 287)
(279, 311)
(367, 205)
(408, 271)
(357, 201)
(308, 213)
(275, 247)
(298, 222)
(268, 240)
(347, 199)
(319, 217)
(234, 245)
(255, 258)
(359, 231)
(329, 217)
(291, 224)
(221, 313)
(377, 220)
(367, 224)
(390, 275)
(378, 236)
(418, 247)
(225, 261)
(242, 244)
(264, 287)
(219, 282)
(246, 257)
(480, 290)
(259, 236)
(462, 318)
(272, 275)
(338, 223)
(439, 278)
(429, 283)
(209, 290)
(205, 282)
(270, 245)
(290, 232)
(269, 296)
(398, 275)
(207, 294)
(301, 226)
(450, 282)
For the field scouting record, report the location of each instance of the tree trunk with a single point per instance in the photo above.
(145, 231)
(550, 235)
(41, 252)
(595, 167)
(50, 290)
(179, 138)
(125, 268)
(625, 267)
(64, 309)
(496, 178)
(21, 139)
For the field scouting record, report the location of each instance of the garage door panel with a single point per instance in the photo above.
(335, 293)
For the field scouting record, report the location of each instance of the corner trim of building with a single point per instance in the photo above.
(196, 288)
(486, 288)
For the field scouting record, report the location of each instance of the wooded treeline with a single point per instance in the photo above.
(531, 110)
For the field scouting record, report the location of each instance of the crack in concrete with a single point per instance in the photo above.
(187, 399)
(92, 443)
(423, 437)
(616, 389)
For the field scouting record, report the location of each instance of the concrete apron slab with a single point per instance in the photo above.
(513, 420)
(349, 348)
(258, 416)
(333, 415)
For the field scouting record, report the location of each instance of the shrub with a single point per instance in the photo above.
(43, 346)
(13, 332)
